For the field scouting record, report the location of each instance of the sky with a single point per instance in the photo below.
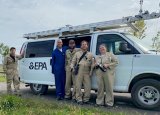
(18, 17)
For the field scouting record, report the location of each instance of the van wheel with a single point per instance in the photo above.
(146, 94)
(39, 89)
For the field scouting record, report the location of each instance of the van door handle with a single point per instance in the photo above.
(137, 56)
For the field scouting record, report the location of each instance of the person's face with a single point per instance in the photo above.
(72, 45)
(84, 46)
(125, 45)
(59, 44)
(102, 49)
(13, 52)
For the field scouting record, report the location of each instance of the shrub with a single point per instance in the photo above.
(9, 103)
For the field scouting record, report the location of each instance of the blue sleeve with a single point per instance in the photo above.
(53, 61)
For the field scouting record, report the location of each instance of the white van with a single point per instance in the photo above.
(138, 71)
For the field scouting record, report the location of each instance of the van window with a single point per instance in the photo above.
(115, 44)
(40, 49)
(23, 48)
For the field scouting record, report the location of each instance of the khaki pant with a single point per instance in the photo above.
(105, 82)
(70, 80)
(12, 76)
(83, 79)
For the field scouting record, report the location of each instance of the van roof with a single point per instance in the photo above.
(43, 39)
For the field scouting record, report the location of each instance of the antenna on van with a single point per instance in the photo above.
(159, 7)
(141, 5)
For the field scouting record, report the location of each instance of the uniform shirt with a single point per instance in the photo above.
(10, 64)
(69, 56)
(86, 62)
(108, 58)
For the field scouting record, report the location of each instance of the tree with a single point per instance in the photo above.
(4, 49)
(141, 26)
(156, 42)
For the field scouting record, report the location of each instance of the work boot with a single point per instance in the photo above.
(68, 98)
(9, 92)
(79, 102)
(17, 93)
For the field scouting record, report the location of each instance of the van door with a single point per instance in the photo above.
(20, 64)
(35, 67)
(114, 44)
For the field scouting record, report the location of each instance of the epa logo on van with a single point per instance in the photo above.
(38, 66)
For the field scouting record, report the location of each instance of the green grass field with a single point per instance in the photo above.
(2, 79)
(12, 105)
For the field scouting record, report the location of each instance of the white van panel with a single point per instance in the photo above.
(37, 70)
(123, 72)
(146, 63)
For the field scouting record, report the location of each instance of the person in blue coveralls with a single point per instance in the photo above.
(58, 69)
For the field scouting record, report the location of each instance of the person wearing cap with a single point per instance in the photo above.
(105, 76)
(70, 77)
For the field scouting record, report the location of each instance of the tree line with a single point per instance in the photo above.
(4, 49)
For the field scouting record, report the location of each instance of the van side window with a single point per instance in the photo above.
(23, 49)
(40, 49)
(116, 44)
(78, 41)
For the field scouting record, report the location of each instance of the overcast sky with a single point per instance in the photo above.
(18, 17)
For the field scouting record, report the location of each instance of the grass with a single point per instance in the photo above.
(12, 105)
(2, 79)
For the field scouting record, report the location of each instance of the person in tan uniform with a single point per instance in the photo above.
(105, 64)
(70, 77)
(10, 68)
(83, 73)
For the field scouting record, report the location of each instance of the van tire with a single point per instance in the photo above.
(39, 89)
(146, 94)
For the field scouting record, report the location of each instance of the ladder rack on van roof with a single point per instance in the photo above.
(90, 28)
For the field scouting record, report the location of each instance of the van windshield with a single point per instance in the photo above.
(139, 42)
